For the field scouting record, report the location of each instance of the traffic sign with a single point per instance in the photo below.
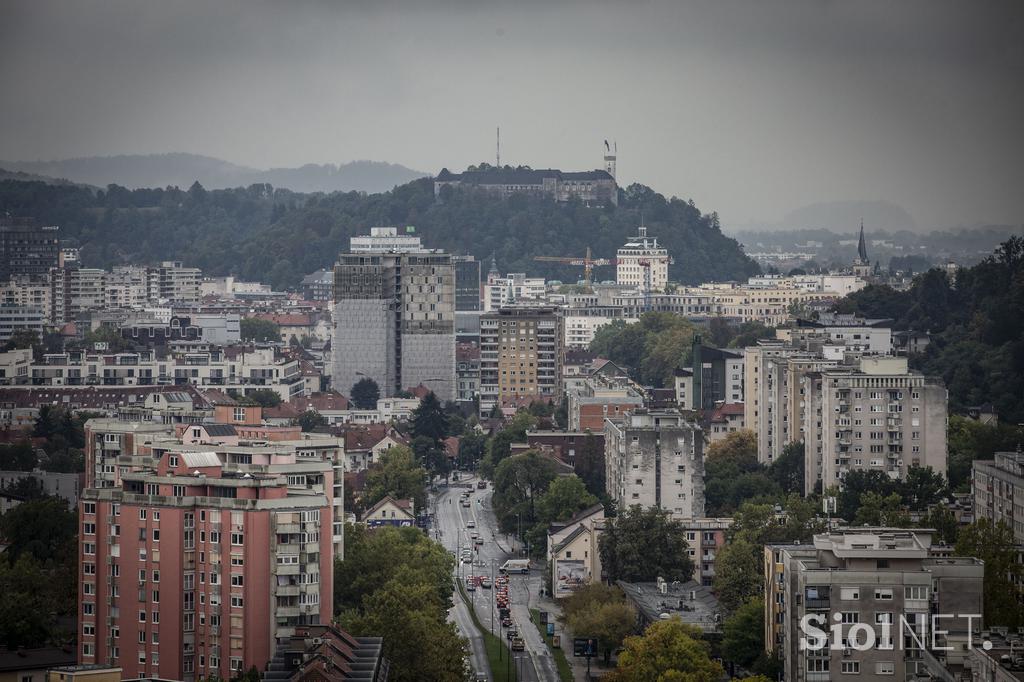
(584, 646)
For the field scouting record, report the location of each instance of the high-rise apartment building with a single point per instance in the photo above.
(394, 315)
(521, 355)
(870, 578)
(999, 491)
(173, 282)
(201, 554)
(640, 262)
(655, 458)
(880, 416)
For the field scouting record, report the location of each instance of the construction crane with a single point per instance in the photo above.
(588, 263)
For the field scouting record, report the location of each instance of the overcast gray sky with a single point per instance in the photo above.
(750, 108)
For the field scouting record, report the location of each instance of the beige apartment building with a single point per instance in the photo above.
(873, 579)
(521, 356)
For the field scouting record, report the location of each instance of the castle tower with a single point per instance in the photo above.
(609, 158)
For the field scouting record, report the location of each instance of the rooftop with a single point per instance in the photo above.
(692, 602)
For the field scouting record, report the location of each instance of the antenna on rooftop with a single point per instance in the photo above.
(497, 150)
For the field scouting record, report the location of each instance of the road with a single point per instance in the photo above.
(451, 519)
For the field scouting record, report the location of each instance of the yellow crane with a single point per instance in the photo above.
(588, 262)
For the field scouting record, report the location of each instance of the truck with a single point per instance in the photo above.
(516, 566)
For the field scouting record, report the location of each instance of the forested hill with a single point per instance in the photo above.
(975, 321)
(278, 236)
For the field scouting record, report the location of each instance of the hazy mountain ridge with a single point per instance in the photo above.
(839, 217)
(137, 171)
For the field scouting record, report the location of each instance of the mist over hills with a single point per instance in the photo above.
(137, 171)
(838, 216)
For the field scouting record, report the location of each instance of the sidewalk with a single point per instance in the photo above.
(579, 665)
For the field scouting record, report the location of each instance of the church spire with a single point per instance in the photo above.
(862, 249)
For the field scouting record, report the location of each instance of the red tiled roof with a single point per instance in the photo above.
(725, 410)
(451, 446)
(331, 400)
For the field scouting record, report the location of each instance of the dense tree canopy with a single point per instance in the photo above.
(975, 325)
(652, 349)
(256, 329)
(399, 475)
(994, 544)
(640, 545)
(668, 651)
(278, 236)
(365, 393)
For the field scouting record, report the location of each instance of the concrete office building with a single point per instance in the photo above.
(27, 248)
(521, 356)
(655, 458)
(394, 315)
(641, 263)
(870, 577)
(467, 283)
(15, 317)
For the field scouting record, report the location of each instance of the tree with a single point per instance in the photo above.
(732, 474)
(858, 482)
(471, 449)
(22, 338)
(739, 573)
(429, 420)
(264, 397)
(256, 329)
(365, 393)
(876, 510)
(942, 520)
(639, 545)
(430, 456)
(28, 604)
(922, 487)
(970, 440)
(43, 529)
(396, 582)
(17, 456)
(27, 488)
(994, 544)
(396, 474)
(311, 420)
(564, 498)
(500, 445)
(743, 634)
(518, 483)
(788, 469)
(610, 623)
(668, 651)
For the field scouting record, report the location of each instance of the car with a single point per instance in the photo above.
(478, 541)
(485, 583)
(518, 644)
(513, 633)
(504, 613)
(506, 622)
(482, 485)
(470, 524)
(466, 504)
(470, 586)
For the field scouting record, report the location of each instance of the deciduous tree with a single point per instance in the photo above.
(365, 393)
(639, 545)
(668, 651)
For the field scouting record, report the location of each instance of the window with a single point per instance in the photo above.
(850, 667)
(89, 568)
(88, 608)
(885, 668)
(849, 593)
(156, 616)
(89, 507)
(89, 529)
(817, 665)
(850, 617)
(142, 616)
(883, 594)
(172, 461)
(236, 580)
(237, 539)
(236, 601)
(156, 535)
(88, 588)
(156, 596)
(89, 548)
(89, 629)
(142, 515)
(915, 592)
(88, 649)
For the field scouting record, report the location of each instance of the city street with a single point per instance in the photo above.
(451, 519)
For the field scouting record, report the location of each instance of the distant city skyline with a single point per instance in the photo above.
(751, 110)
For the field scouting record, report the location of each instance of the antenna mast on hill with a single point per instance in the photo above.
(497, 153)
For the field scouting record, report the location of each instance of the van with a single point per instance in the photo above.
(516, 566)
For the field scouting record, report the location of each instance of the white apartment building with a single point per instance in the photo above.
(240, 370)
(655, 458)
(641, 263)
(582, 323)
(514, 287)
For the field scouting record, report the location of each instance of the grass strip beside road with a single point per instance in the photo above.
(498, 653)
(561, 662)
